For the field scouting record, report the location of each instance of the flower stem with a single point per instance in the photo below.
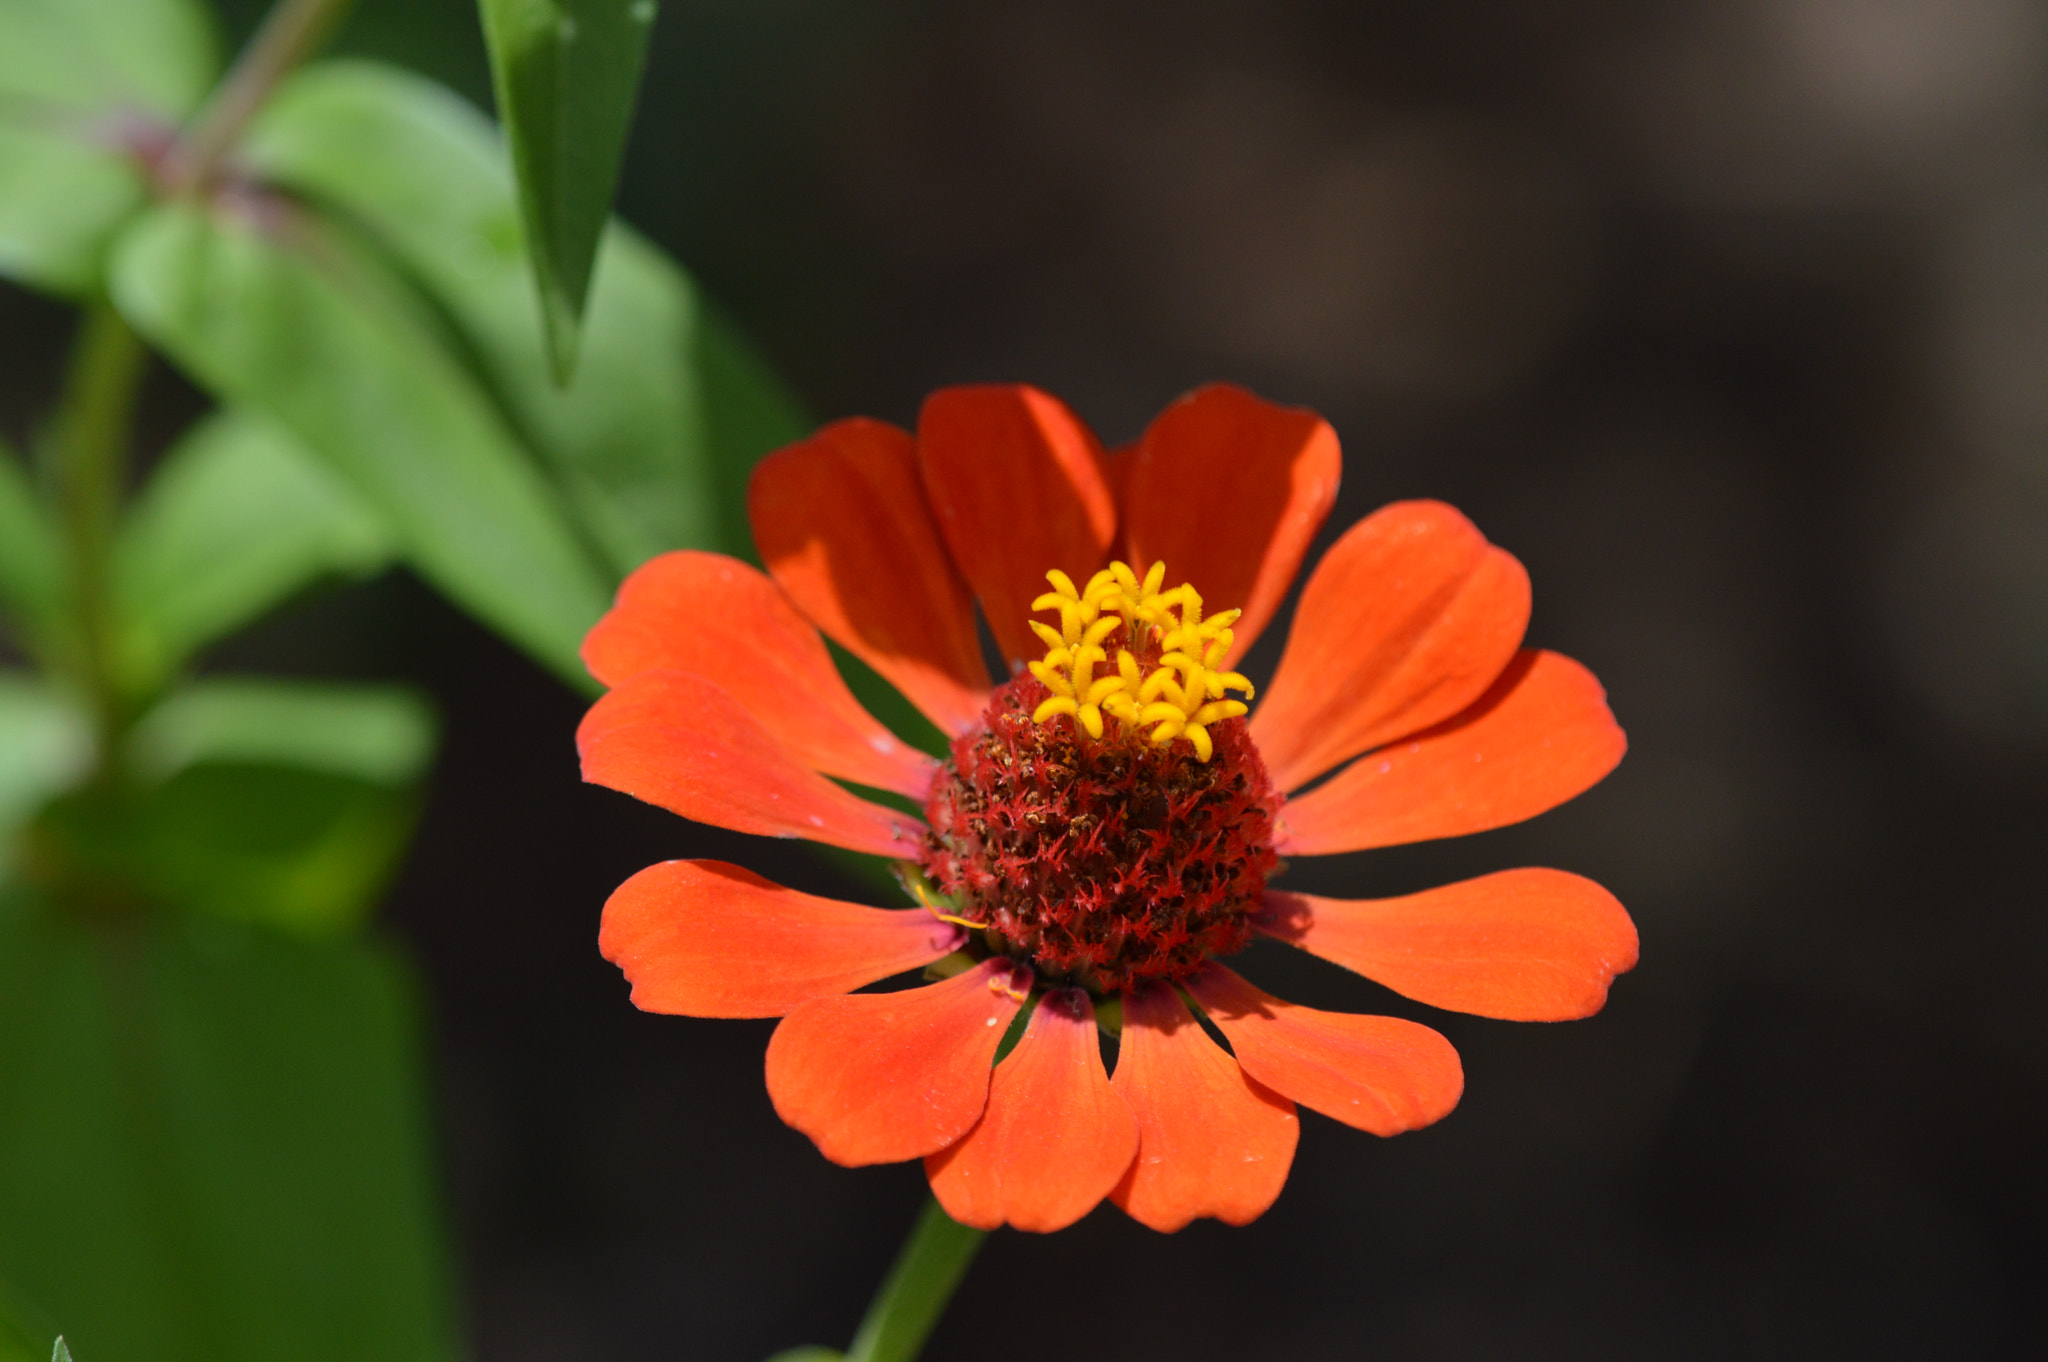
(291, 32)
(86, 465)
(907, 1308)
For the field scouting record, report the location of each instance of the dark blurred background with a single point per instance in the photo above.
(1728, 317)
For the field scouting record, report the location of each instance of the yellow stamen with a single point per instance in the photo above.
(1006, 985)
(924, 896)
(1185, 692)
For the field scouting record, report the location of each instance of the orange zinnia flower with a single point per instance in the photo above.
(1107, 820)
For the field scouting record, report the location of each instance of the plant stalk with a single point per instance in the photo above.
(291, 32)
(85, 461)
(907, 1308)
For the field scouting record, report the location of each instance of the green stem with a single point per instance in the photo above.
(907, 1308)
(87, 454)
(291, 32)
(86, 464)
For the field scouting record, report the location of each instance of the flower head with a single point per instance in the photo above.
(1104, 828)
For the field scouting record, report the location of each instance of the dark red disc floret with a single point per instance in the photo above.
(1102, 862)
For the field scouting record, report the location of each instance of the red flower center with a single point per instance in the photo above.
(1100, 854)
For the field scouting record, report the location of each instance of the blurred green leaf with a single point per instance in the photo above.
(302, 850)
(239, 517)
(215, 1145)
(64, 193)
(31, 563)
(425, 173)
(107, 56)
(24, 1330)
(308, 852)
(566, 73)
(380, 734)
(61, 1351)
(279, 313)
(45, 747)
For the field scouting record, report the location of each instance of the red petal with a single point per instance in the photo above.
(1405, 621)
(883, 1077)
(1520, 945)
(1380, 1074)
(1211, 1141)
(679, 741)
(1228, 489)
(842, 523)
(1019, 487)
(1541, 735)
(1055, 1137)
(707, 939)
(715, 616)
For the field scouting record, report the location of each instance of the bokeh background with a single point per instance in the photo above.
(1728, 317)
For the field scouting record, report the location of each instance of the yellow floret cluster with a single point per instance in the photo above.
(1182, 694)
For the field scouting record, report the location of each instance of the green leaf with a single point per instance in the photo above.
(566, 73)
(238, 518)
(282, 802)
(24, 1329)
(64, 193)
(45, 747)
(303, 851)
(61, 1352)
(107, 56)
(287, 803)
(216, 1145)
(424, 173)
(380, 734)
(278, 313)
(31, 563)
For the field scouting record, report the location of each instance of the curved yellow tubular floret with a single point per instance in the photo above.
(1183, 694)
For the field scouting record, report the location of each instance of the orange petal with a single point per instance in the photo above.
(1228, 489)
(715, 616)
(1211, 1141)
(1520, 945)
(681, 742)
(1055, 1137)
(1019, 486)
(1539, 736)
(1408, 618)
(842, 523)
(1380, 1074)
(883, 1077)
(708, 939)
